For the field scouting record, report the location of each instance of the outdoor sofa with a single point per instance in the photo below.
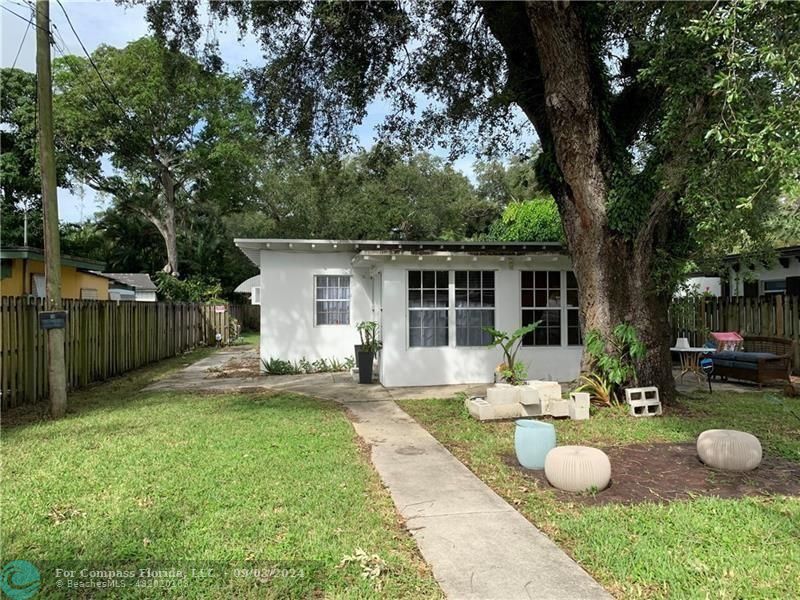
(761, 360)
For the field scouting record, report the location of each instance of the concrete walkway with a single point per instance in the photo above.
(205, 375)
(476, 543)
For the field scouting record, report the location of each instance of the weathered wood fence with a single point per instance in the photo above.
(248, 315)
(775, 315)
(103, 339)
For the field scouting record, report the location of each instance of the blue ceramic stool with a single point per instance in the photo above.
(532, 441)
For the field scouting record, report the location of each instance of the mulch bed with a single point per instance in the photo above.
(666, 472)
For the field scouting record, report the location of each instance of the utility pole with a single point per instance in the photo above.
(56, 372)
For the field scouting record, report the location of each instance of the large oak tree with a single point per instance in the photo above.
(156, 130)
(664, 127)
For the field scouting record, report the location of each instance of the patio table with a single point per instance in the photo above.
(690, 360)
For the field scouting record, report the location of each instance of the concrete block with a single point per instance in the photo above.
(482, 410)
(558, 408)
(528, 396)
(502, 393)
(531, 410)
(579, 406)
(548, 390)
(643, 402)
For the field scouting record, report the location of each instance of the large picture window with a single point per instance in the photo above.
(332, 299)
(428, 305)
(474, 307)
(541, 301)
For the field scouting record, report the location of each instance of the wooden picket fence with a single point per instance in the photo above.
(773, 315)
(103, 339)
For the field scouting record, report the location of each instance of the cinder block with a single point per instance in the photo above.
(558, 408)
(579, 406)
(548, 390)
(484, 411)
(528, 396)
(502, 393)
(643, 402)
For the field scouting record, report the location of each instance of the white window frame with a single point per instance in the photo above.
(88, 293)
(349, 298)
(561, 308)
(255, 295)
(456, 308)
(450, 302)
(567, 309)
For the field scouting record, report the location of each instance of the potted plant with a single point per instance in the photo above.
(366, 351)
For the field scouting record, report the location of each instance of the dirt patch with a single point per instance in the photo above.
(248, 366)
(667, 472)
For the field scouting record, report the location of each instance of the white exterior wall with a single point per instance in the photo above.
(776, 272)
(145, 296)
(401, 365)
(288, 330)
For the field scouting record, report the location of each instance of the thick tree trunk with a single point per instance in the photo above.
(615, 275)
(615, 285)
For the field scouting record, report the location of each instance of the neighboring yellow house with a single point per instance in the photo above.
(23, 275)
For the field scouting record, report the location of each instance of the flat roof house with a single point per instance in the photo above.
(431, 300)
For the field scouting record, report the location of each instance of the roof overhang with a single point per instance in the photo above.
(387, 248)
(27, 253)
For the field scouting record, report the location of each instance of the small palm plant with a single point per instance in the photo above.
(511, 371)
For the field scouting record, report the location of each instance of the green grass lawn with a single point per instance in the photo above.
(703, 548)
(226, 482)
(248, 337)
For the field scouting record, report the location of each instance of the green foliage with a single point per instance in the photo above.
(190, 289)
(530, 221)
(19, 159)
(613, 360)
(504, 183)
(600, 389)
(176, 134)
(368, 332)
(277, 366)
(375, 194)
(511, 371)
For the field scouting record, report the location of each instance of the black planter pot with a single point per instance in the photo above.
(364, 363)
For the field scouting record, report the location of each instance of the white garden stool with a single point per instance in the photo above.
(577, 468)
(729, 450)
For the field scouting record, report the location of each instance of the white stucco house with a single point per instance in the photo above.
(431, 300)
(747, 277)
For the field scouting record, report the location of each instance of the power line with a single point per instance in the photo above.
(19, 16)
(91, 61)
(22, 43)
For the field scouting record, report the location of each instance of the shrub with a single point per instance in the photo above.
(531, 221)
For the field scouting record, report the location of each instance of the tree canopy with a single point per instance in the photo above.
(173, 133)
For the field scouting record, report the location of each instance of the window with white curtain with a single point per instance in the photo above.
(332, 299)
(428, 308)
(541, 301)
(474, 293)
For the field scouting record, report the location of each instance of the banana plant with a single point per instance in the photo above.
(514, 372)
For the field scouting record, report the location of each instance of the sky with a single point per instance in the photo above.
(105, 22)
